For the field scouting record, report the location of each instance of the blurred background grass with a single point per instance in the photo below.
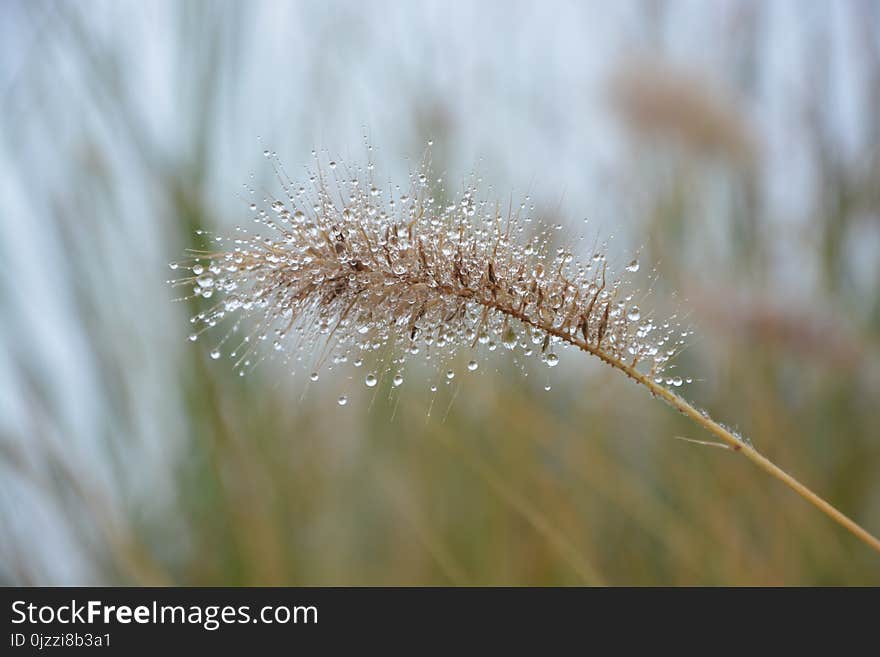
(736, 144)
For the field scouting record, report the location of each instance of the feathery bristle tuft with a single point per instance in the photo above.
(345, 268)
(342, 270)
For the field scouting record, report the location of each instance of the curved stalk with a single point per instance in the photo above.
(704, 420)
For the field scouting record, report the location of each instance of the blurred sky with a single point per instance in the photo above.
(120, 94)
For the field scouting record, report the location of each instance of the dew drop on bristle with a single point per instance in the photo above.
(397, 380)
(371, 380)
(342, 401)
(473, 365)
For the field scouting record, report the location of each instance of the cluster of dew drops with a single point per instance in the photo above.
(223, 268)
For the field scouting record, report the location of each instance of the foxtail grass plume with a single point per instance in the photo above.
(346, 266)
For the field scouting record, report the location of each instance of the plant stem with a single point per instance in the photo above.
(761, 461)
(700, 417)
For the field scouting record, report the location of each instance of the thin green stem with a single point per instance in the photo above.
(700, 417)
(704, 420)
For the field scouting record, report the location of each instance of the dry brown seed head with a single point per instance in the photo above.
(345, 273)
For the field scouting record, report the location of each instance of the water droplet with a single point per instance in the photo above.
(266, 153)
(547, 387)
(397, 380)
(371, 380)
(205, 281)
(277, 206)
(173, 265)
(450, 374)
(634, 314)
(473, 365)
(552, 360)
(313, 376)
(193, 337)
(342, 401)
(633, 266)
(676, 381)
(509, 338)
(215, 354)
(197, 269)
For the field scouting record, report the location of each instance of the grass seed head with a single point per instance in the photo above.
(344, 267)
